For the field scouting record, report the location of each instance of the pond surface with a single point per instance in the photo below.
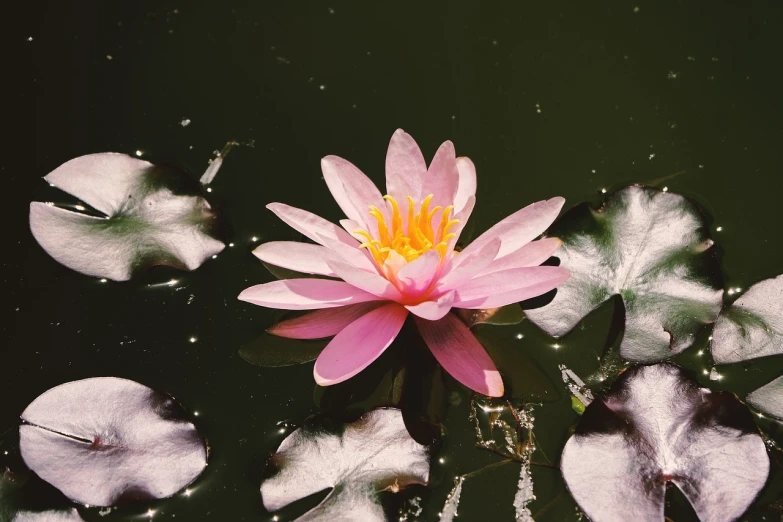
(548, 99)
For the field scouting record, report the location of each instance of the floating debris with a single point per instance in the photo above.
(576, 386)
(524, 495)
(449, 510)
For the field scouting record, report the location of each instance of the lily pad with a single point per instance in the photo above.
(357, 461)
(657, 426)
(653, 249)
(48, 516)
(753, 326)
(104, 440)
(146, 215)
(769, 398)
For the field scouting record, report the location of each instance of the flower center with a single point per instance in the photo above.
(413, 240)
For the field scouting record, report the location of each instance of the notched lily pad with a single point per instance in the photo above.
(753, 326)
(769, 398)
(104, 440)
(146, 215)
(657, 426)
(653, 249)
(356, 460)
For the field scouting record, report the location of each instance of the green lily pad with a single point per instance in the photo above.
(142, 215)
(653, 249)
(769, 398)
(753, 326)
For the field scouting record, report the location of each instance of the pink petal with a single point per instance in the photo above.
(467, 182)
(352, 190)
(470, 265)
(442, 177)
(351, 254)
(509, 286)
(521, 227)
(416, 276)
(351, 226)
(463, 216)
(532, 254)
(305, 294)
(370, 282)
(461, 355)
(392, 266)
(302, 257)
(405, 168)
(359, 344)
(310, 225)
(322, 323)
(433, 310)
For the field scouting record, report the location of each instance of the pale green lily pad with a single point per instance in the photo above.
(653, 249)
(104, 441)
(655, 426)
(145, 215)
(357, 461)
(753, 326)
(769, 398)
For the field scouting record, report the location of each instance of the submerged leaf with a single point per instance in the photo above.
(502, 316)
(13, 509)
(151, 216)
(769, 398)
(651, 248)
(356, 460)
(753, 326)
(271, 351)
(506, 429)
(502, 427)
(656, 425)
(106, 440)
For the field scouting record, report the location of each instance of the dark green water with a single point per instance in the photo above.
(547, 98)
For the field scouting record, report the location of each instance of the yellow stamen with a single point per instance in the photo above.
(417, 237)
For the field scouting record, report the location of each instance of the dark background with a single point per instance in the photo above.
(547, 98)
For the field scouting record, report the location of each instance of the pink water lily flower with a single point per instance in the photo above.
(395, 256)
